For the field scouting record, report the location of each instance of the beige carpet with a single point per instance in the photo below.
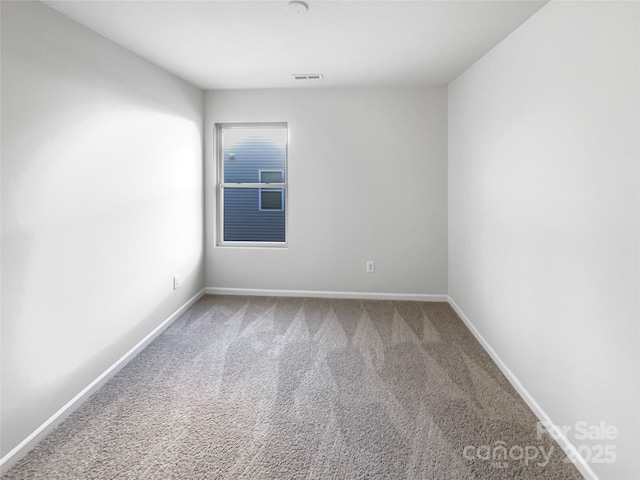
(275, 388)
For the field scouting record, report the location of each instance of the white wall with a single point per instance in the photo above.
(544, 213)
(101, 205)
(367, 174)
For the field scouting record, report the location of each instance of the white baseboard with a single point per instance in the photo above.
(11, 458)
(260, 292)
(563, 441)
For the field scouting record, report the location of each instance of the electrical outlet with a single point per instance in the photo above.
(176, 282)
(371, 266)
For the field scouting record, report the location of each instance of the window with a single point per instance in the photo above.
(252, 183)
(271, 198)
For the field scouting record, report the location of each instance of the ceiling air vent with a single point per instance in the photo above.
(307, 76)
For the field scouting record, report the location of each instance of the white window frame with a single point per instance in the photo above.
(221, 185)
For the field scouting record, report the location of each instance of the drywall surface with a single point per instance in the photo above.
(101, 206)
(544, 216)
(367, 181)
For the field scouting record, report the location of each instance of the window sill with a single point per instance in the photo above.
(256, 245)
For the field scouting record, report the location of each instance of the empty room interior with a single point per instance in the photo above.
(320, 239)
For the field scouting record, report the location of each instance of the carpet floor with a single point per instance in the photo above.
(284, 388)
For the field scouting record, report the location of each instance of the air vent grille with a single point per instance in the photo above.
(307, 76)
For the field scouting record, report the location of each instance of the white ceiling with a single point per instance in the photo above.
(259, 44)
